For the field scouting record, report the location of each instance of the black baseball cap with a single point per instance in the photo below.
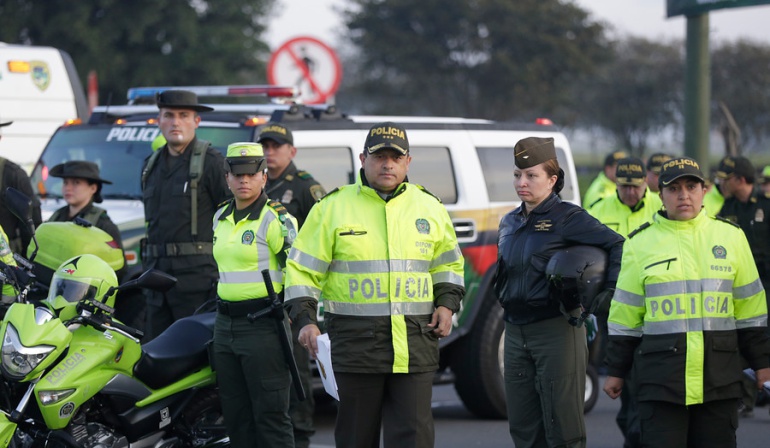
(277, 132)
(655, 161)
(736, 166)
(387, 135)
(679, 167)
(630, 171)
(613, 157)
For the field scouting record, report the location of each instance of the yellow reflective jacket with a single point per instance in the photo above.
(6, 255)
(622, 218)
(244, 249)
(381, 267)
(688, 304)
(600, 188)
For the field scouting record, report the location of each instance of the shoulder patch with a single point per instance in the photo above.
(317, 191)
(720, 218)
(639, 229)
(424, 190)
(302, 174)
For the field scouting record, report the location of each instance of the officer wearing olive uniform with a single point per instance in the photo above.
(298, 192)
(178, 211)
(383, 254)
(251, 234)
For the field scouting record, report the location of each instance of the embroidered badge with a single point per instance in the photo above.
(719, 252)
(317, 192)
(759, 215)
(288, 195)
(544, 225)
(423, 226)
(247, 238)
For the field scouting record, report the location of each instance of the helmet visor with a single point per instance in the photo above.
(71, 290)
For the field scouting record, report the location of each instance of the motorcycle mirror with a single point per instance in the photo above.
(21, 206)
(151, 279)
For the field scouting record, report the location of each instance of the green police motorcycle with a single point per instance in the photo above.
(74, 376)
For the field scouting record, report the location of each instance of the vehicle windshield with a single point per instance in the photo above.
(119, 151)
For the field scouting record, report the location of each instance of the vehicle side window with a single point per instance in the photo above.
(431, 167)
(497, 164)
(331, 167)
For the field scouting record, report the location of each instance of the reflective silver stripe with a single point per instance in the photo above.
(249, 277)
(689, 287)
(217, 215)
(263, 250)
(297, 291)
(628, 298)
(378, 309)
(620, 330)
(746, 291)
(379, 266)
(685, 325)
(308, 260)
(447, 277)
(447, 257)
(752, 322)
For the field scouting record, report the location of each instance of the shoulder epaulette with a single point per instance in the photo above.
(425, 190)
(639, 229)
(223, 203)
(330, 193)
(302, 174)
(278, 207)
(719, 218)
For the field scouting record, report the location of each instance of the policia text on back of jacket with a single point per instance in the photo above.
(384, 256)
(688, 304)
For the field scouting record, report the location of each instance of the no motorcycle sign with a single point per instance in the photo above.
(310, 65)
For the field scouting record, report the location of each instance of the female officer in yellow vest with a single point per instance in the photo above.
(688, 305)
(251, 234)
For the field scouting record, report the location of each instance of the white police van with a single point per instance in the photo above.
(467, 163)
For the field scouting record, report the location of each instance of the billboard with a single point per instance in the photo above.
(695, 7)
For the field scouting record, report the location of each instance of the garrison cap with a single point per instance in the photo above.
(387, 135)
(680, 167)
(630, 171)
(180, 99)
(655, 161)
(531, 151)
(736, 166)
(276, 131)
(613, 157)
(244, 158)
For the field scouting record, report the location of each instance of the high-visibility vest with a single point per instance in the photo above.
(369, 257)
(687, 278)
(244, 249)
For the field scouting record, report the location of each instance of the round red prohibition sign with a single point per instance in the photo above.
(309, 64)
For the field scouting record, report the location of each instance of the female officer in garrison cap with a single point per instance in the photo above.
(251, 233)
(545, 356)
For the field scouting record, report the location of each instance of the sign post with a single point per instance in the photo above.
(310, 65)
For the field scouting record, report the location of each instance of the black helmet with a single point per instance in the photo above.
(577, 276)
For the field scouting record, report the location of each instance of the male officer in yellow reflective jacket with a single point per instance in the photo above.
(688, 303)
(384, 256)
(251, 234)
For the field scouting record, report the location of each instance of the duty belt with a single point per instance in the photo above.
(177, 249)
(242, 307)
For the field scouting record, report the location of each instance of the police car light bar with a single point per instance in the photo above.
(269, 91)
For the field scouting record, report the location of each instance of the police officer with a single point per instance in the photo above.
(748, 207)
(298, 191)
(632, 206)
(654, 162)
(688, 301)
(81, 188)
(383, 254)
(604, 184)
(251, 234)
(12, 175)
(178, 209)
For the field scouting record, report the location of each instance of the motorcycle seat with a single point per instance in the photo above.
(180, 350)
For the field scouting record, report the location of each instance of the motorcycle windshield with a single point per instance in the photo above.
(72, 291)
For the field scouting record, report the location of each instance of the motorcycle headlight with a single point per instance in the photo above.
(18, 360)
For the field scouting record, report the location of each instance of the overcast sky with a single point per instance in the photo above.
(317, 18)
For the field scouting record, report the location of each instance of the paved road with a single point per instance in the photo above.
(456, 427)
